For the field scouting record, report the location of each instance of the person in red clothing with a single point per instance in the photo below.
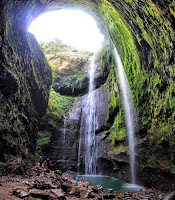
(37, 166)
(47, 163)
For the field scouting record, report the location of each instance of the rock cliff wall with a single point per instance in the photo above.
(25, 79)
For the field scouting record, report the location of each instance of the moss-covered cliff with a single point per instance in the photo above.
(150, 71)
(25, 80)
(148, 156)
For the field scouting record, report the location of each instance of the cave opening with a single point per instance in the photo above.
(72, 27)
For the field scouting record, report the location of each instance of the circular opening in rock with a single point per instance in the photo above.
(73, 27)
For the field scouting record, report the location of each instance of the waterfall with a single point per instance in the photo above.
(90, 140)
(129, 112)
(64, 129)
(88, 146)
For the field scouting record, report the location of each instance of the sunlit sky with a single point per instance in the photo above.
(72, 27)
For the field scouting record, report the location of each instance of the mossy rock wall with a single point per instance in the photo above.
(25, 80)
(150, 71)
(113, 150)
(54, 124)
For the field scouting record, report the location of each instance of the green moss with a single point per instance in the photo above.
(117, 133)
(59, 105)
(115, 110)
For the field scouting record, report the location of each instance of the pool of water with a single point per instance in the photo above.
(111, 182)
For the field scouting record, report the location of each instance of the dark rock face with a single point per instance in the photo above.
(72, 90)
(111, 164)
(25, 79)
(150, 173)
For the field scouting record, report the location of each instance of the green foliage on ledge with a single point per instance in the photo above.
(58, 107)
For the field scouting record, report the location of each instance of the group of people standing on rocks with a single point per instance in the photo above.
(79, 179)
(47, 163)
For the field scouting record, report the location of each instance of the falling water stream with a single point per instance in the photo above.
(64, 130)
(129, 112)
(88, 142)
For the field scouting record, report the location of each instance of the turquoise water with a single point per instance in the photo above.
(111, 182)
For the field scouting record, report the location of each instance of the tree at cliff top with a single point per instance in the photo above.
(69, 68)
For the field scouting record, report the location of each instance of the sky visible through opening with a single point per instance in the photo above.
(72, 27)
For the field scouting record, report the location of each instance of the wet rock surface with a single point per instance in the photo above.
(46, 184)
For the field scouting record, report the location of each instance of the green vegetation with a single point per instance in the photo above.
(118, 134)
(116, 118)
(59, 105)
(69, 68)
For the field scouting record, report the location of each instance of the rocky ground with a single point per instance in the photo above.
(49, 185)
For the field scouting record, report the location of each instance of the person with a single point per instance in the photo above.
(110, 189)
(83, 179)
(47, 163)
(77, 179)
(101, 188)
(37, 166)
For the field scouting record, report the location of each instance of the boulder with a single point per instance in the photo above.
(20, 193)
(37, 193)
(58, 193)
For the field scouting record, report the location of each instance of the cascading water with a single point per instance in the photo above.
(64, 130)
(88, 142)
(129, 112)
